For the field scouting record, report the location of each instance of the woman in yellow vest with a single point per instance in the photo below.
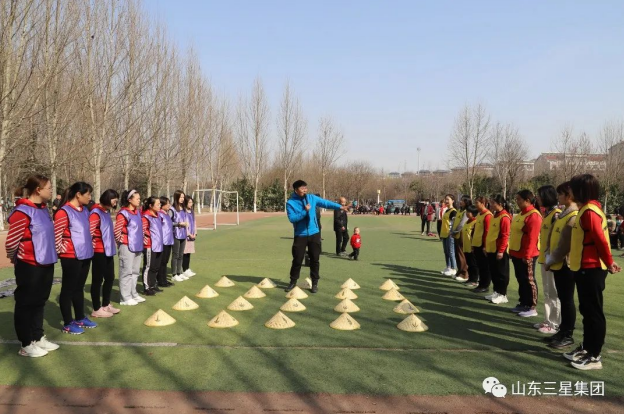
(466, 235)
(448, 242)
(557, 262)
(482, 226)
(497, 248)
(524, 250)
(590, 260)
(547, 199)
(456, 229)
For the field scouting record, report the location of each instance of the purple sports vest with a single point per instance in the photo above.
(156, 232)
(179, 217)
(79, 231)
(191, 219)
(135, 231)
(108, 234)
(42, 230)
(167, 228)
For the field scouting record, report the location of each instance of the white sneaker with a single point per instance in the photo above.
(445, 270)
(32, 351)
(449, 272)
(500, 299)
(129, 302)
(461, 279)
(46, 345)
(178, 278)
(490, 297)
(139, 299)
(190, 273)
(453, 272)
(184, 277)
(528, 314)
(541, 325)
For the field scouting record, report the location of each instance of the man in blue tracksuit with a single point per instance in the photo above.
(307, 233)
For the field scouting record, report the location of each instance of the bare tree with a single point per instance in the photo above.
(611, 144)
(507, 151)
(329, 147)
(362, 173)
(469, 141)
(573, 152)
(291, 126)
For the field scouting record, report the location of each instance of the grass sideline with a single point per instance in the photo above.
(468, 339)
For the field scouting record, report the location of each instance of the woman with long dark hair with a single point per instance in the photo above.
(482, 226)
(75, 248)
(448, 242)
(180, 224)
(129, 237)
(456, 230)
(30, 247)
(104, 251)
(167, 230)
(591, 261)
(189, 248)
(497, 249)
(152, 244)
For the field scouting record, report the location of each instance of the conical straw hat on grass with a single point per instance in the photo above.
(350, 284)
(279, 321)
(347, 306)
(393, 294)
(159, 318)
(346, 294)
(412, 324)
(293, 305)
(296, 293)
(185, 304)
(254, 293)
(207, 293)
(406, 307)
(306, 284)
(345, 323)
(223, 320)
(267, 283)
(224, 282)
(240, 304)
(389, 285)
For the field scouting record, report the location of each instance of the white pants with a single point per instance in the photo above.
(552, 306)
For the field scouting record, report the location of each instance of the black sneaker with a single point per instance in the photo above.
(588, 362)
(314, 288)
(480, 290)
(562, 342)
(157, 289)
(168, 284)
(149, 292)
(576, 354)
(556, 337)
(290, 287)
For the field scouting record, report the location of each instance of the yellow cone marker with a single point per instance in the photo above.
(347, 306)
(350, 284)
(279, 321)
(159, 318)
(223, 320)
(389, 285)
(267, 283)
(306, 284)
(406, 307)
(293, 305)
(224, 282)
(185, 304)
(254, 293)
(240, 304)
(346, 294)
(345, 323)
(296, 293)
(412, 324)
(393, 294)
(207, 293)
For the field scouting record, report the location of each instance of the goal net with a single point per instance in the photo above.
(219, 205)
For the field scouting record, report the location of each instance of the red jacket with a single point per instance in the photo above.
(62, 235)
(503, 236)
(356, 241)
(19, 238)
(96, 233)
(594, 237)
(428, 212)
(530, 236)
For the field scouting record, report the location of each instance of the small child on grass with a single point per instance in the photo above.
(356, 243)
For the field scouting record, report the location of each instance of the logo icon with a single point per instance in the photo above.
(493, 386)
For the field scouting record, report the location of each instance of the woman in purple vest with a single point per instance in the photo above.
(101, 228)
(167, 229)
(129, 237)
(180, 225)
(152, 244)
(75, 248)
(30, 247)
(190, 238)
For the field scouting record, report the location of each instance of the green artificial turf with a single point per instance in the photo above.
(468, 338)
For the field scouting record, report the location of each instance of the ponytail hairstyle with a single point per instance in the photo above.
(149, 202)
(76, 188)
(483, 200)
(500, 200)
(107, 196)
(548, 196)
(32, 183)
(526, 195)
(472, 210)
(126, 195)
(176, 200)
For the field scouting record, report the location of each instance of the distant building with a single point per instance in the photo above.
(553, 161)
(394, 174)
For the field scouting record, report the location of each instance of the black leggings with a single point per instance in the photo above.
(103, 271)
(164, 261)
(186, 261)
(75, 274)
(485, 276)
(590, 283)
(499, 270)
(33, 290)
(564, 282)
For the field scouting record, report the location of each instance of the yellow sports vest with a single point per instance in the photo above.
(458, 218)
(545, 231)
(477, 237)
(493, 232)
(578, 235)
(517, 224)
(466, 235)
(555, 236)
(446, 223)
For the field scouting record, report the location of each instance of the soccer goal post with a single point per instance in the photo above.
(221, 204)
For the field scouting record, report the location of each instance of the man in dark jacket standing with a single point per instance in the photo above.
(301, 209)
(341, 229)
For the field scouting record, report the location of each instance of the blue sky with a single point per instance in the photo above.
(395, 74)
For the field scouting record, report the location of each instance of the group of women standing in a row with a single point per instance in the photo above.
(82, 233)
(568, 238)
